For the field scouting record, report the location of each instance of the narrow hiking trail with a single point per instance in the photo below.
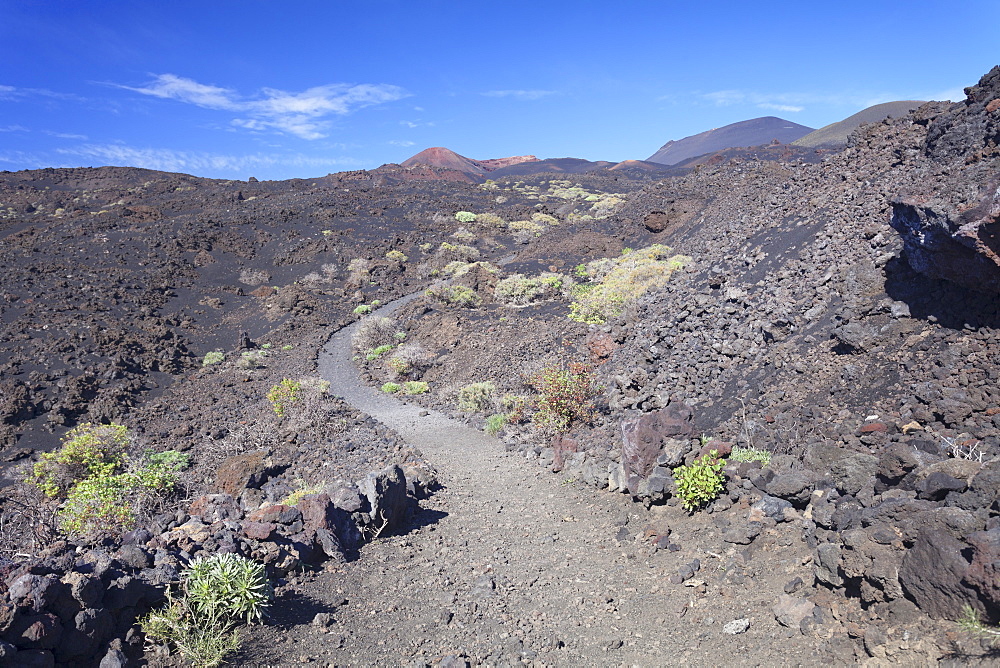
(509, 564)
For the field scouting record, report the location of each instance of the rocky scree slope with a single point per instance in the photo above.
(260, 272)
(807, 328)
(117, 281)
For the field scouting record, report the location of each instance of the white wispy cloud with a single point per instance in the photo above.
(401, 142)
(793, 101)
(15, 93)
(417, 124)
(65, 135)
(520, 94)
(780, 107)
(170, 160)
(301, 114)
(14, 128)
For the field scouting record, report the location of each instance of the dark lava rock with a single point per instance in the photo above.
(937, 485)
(933, 574)
(795, 486)
(772, 507)
(984, 571)
(247, 470)
(386, 495)
(793, 585)
(791, 610)
(643, 439)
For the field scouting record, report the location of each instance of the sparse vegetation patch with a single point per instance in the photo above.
(615, 282)
(565, 395)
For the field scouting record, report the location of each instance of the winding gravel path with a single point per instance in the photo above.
(508, 564)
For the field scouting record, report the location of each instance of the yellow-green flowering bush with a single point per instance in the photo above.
(700, 482)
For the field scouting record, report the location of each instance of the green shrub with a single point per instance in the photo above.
(972, 623)
(87, 450)
(375, 353)
(110, 499)
(363, 309)
(415, 387)
(399, 366)
(213, 357)
(456, 267)
(202, 638)
(528, 226)
(455, 295)
(518, 290)
(396, 256)
(565, 394)
(465, 217)
(359, 265)
(618, 281)
(284, 393)
(96, 502)
(233, 584)
(751, 455)
(464, 235)
(605, 205)
(372, 333)
(700, 482)
(495, 423)
(451, 252)
(252, 359)
(391, 388)
(490, 220)
(476, 397)
(296, 496)
(217, 594)
(516, 407)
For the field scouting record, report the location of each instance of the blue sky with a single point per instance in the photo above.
(298, 89)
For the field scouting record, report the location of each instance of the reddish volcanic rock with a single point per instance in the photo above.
(448, 159)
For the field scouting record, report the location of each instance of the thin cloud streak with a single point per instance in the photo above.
(15, 94)
(793, 102)
(169, 160)
(299, 114)
(780, 107)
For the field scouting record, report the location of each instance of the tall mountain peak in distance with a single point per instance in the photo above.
(753, 132)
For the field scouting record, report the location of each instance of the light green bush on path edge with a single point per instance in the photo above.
(475, 397)
(216, 595)
(495, 424)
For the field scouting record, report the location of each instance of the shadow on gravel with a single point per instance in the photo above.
(952, 305)
(419, 518)
(958, 659)
(292, 609)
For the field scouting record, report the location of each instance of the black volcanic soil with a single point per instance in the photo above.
(118, 281)
(798, 327)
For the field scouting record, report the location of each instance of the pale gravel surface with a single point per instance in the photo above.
(509, 564)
